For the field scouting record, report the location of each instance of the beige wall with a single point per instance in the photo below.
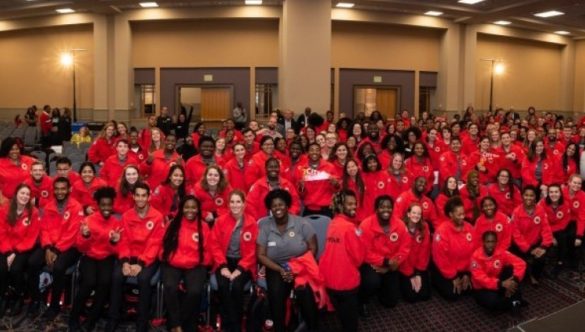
(30, 69)
(205, 43)
(532, 74)
(580, 77)
(382, 46)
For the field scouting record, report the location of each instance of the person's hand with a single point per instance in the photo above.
(481, 168)
(511, 156)
(510, 285)
(135, 270)
(465, 283)
(578, 242)
(84, 229)
(287, 276)
(555, 243)
(126, 270)
(10, 260)
(149, 159)
(50, 258)
(209, 217)
(115, 235)
(380, 269)
(235, 274)
(416, 283)
(333, 181)
(225, 273)
(89, 210)
(457, 285)
(538, 252)
(393, 265)
(301, 186)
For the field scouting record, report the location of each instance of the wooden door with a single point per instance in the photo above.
(216, 104)
(386, 102)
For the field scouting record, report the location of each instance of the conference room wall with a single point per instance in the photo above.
(205, 43)
(31, 72)
(580, 76)
(532, 75)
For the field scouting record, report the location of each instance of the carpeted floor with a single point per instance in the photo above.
(434, 315)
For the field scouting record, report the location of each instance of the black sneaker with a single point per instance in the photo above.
(50, 314)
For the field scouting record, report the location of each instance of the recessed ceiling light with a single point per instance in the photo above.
(345, 4)
(433, 13)
(502, 22)
(253, 2)
(562, 32)
(65, 11)
(470, 2)
(148, 4)
(550, 13)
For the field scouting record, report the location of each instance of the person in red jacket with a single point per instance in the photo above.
(558, 211)
(19, 253)
(496, 275)
(492, 219)
(341, 260)
(235, 169)
(449, 189)
(451, 251)
(156, 167)
(138, 251)
(61, 219)
(83, 190)
(512, 157)
(317, 182)
(114, 165)
(576, 197)
(124, 198)
(471, 193)
(416, 195)
(185, 256)
(387, 245)
(453, 163)
(264, 185)
(352, 180)
(485, 162)
(103, 147)
(415, 284)
(167, 196)
(233, 248)
(505, 192)
(41, 185)
(64, 169)
(14, 166)
(398, 178)
(531, 233)
(97, 240)
(420, 164)
(374, 182)
(196, 166)
(213, 192)
(539, 168)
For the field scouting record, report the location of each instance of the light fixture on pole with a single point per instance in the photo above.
(68, 60)
(497, 68)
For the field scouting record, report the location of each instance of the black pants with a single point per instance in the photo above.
(346, 304)
(183, 313)
(64, 261)
(445, 286)
(278, 292)
(534, 266)
(567, 253)
(231, 294)
(324, 211)
(385, 285)
(23, 275)
(144, 287)
(496, 299)
(94, 275)
(409, 295)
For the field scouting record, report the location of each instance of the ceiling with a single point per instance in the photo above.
(519, 12)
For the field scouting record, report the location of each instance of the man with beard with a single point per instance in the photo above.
(196, 166)
(373, 137)
(416, 195)
(272, 129)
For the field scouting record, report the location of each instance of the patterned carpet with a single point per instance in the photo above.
(434, 315)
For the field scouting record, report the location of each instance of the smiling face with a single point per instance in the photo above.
(349, 206)
(106, 206)
(140, 198)
(529, 198)
(489, 244)
(212, 177)
(415, 214)
(190, 210)
(489, 208)
(177, 178)
(131, 175)
(236, 205)
(278, 208)
(23, 196)
(352, 168)
(87, 174)
(554, 193)
(314, 153)
(458, 215)
(384, 210)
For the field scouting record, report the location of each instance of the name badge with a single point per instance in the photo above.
(272, 244)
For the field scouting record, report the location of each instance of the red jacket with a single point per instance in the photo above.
(23, 235)
(344, 254)
(435, 152)
(140, 155)
(194, 169)
(12, 175)
(440, 202)
(550, 167)
(381, 246)
(306, 272)
(422, 167)
(84, 194)
(46, 123)
(452, 248)
(97, 245)
(420, 253)
(142, 237)
(472, 203)
(403, 202)
(558, 218)
(514, 162)
(157, 171)
(397, 184)
(506, 202)
(485, 271)
(256, 166)
(469, 145)
(374, 186)
(59, 231)
(491, 161)
(577, 203)
(236, 175)
(187, 255)
(220, 240)
(100, 150)
(255, 198)
(451, 164)
(163, 198)
(500, 224)
(530, 230)
(318, 190)
(113, 168)
(123, 203)
(216, 204)
(41, 192)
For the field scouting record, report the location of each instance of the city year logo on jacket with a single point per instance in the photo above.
(381, 185)
(195, 236)
(26, 221)
(560, 215)
(394, 237)
(150, 225)
(66, 215)
(247, 236)
(499, 227)
(497, 263)
(419, 238)
(468, 237)
(576, 204)
(24, 166)
(219, 201)
(44, 194)
(537, 220)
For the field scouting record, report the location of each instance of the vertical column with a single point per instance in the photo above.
(567, 77)
(123, 76)
(469, 66)
(336, 94)
(448, 85)
(252, 105)
(304, 76)
(416, 110)
(101, 60)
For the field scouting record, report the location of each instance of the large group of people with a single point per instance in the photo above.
(473, 205)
